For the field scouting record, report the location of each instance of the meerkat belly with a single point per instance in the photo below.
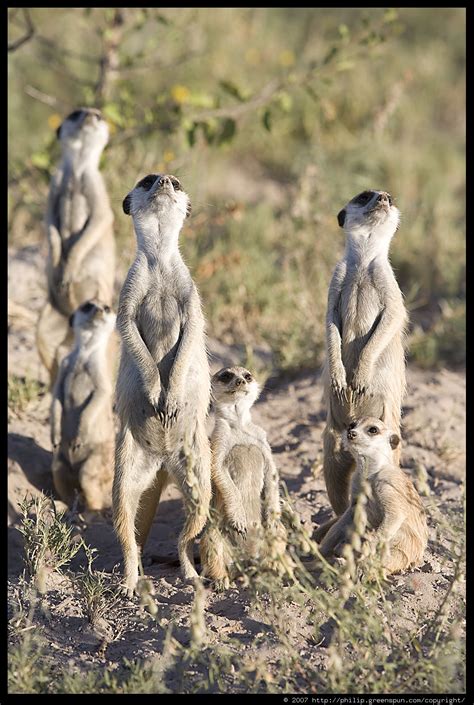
(246, 464)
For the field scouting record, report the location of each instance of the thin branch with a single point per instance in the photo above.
(235, 111)
(50, 100)
(30, 30)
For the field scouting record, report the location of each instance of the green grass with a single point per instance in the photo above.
(373, 646)
(382, 106)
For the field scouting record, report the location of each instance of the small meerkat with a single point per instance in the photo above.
(81, 244)
(394, 508)
(246, 499)
(364, 374)
(163, 384)
(82, 424)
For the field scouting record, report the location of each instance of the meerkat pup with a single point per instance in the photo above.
(163, 385)
(246, 499)
(364, 373)
(79, 219)
(394, 509)
(82, 425)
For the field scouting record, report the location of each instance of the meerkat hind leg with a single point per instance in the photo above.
(196, 508)
(215, 558)
(95, 479)
(65, 481)
(148, 504)
(134, 473)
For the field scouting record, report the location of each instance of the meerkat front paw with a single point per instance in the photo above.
(339, 383)
(155, 397)
(170, 410)
(222, 584)
(360, 383)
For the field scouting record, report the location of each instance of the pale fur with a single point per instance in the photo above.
(163, 385)
(394, 509)
(81, 245)
(246, 501)
(82, 425)
(366, 319)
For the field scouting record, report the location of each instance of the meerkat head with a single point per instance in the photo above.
(234, 385)
(92, 319)
(83, 131)
(369, 437)
(370, 213)
(160, 198)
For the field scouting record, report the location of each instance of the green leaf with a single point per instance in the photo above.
(266, 119)
(41, 160)
(112, 112)
(227, 131)
(232, 89)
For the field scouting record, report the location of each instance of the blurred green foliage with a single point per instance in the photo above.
(273, 118)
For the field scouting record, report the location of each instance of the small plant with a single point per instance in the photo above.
(49, 541)
(100, 592)
(23, 390)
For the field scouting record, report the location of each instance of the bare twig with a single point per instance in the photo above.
(30, 30)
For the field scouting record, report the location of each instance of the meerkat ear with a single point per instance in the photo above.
(126, 204)
(394, 441)
(188, 209)
(341, 217)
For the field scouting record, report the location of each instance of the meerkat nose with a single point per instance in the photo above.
(351, 433)
(239, 381)
(165, 181)
(384, 198)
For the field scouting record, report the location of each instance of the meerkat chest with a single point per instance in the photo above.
(360, 305)
(160, 322)
(79, 385)
(73, 212)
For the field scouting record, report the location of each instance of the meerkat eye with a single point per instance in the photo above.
(248, 377)
(176, 184)
(363, 198)
(226, 377)
(373, 430)
(107, 309)
(85, 308)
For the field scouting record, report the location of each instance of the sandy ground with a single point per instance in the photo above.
(291, 411)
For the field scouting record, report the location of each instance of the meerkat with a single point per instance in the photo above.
(79, 220)
(246, 499)
(163, 384)
(82, 424)
(394, 508)
(364, 374)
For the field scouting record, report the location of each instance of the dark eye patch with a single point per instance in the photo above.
(74, 115)
(248, 377)
(147, 182)
(176, 184)
(225, 376)
(363, 198)
(85, 308)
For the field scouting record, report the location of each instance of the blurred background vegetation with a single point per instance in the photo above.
(273, 118)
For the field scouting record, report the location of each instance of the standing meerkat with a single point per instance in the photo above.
(364, 374)
(82, 425)
(394, 508)
(163, 385)
(246, 496)
(79, 220)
